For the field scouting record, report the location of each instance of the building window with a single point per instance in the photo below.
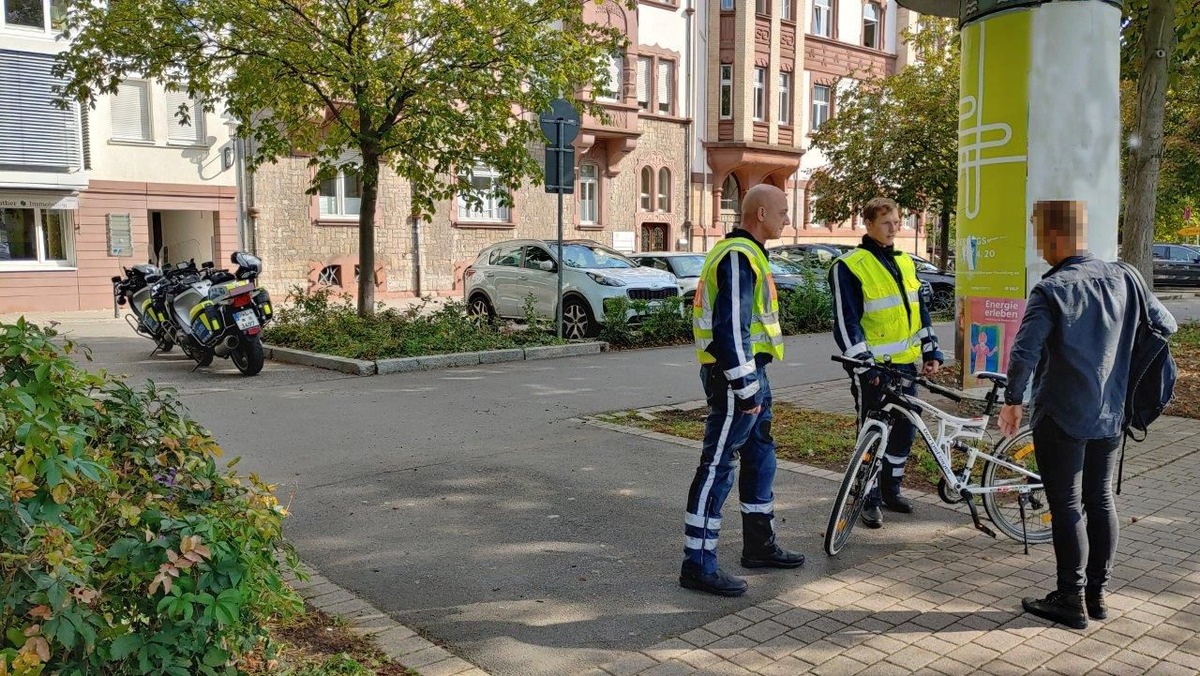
(812, 209)
(589, 204)
(38, 15)
(177, 131)
(131, 112)
(646, 194)
(762, 7)
(731, 203)
(613, 87)
(785, 98)
(37, 236)
(340, 195)
(726, 91)
(664, 189)
(726, 5)
(785, 10)
(822, 18)
(820, 105)
(643, 81)
(871, 25)
(485, 184)
(760, 94)
(666, 87)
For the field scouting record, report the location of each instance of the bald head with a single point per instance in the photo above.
(765, 212)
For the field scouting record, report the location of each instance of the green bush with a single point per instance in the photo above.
(124, 549)
(666, 322)
(807, 309)
(320, 322)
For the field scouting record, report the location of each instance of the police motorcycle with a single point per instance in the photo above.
(137, 290)
(216, 313)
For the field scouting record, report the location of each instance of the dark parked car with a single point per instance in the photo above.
(1176, 265)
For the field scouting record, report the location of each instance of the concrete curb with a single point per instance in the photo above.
(395, 640)
(288, 355)
(430, 362)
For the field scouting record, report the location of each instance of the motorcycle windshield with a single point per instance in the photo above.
(173, 253)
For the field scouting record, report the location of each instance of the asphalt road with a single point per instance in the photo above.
(467, 504)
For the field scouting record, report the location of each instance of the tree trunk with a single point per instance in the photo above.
(944, 238)
(366, 232)
(1158, 39)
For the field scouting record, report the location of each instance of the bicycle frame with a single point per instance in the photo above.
(951, 429)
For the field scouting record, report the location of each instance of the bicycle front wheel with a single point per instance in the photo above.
(864, 465)
(1004, 508)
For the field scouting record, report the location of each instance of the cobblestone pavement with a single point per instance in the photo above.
(953, 606)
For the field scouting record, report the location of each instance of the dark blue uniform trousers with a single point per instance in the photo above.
(728, 434)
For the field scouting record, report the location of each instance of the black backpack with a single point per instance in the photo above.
(1152, 373)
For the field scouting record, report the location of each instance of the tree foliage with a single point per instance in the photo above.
(425, 88)
(895, 136)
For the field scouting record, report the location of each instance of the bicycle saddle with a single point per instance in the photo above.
(998, 378)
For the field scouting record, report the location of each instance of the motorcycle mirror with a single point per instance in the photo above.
(116, 280)
(208, 265)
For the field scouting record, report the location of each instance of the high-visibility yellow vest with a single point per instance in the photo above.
(890, 320)
(766, 336)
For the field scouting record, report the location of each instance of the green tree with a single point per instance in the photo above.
(897, 135)
(1161, 42)
(427, 89)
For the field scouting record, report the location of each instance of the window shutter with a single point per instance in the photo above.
(643, 82)
(33, 131)
(666, 79)
(130, 112)
(193, 131)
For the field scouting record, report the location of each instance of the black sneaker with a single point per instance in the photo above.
(719, 583)
(1097, 609)
(899, 504)
(1058, 607)
(776, 557)
(872, 516)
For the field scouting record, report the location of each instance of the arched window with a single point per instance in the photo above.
(589, 193)
(646, 195)
(871, 33)
(664, 189)
(731, 203)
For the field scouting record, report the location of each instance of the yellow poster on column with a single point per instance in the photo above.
(993, 134)
(993, 137)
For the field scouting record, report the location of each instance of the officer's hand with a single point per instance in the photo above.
(754, 411)
(931, 367)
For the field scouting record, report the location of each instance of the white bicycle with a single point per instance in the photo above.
(1009, 485)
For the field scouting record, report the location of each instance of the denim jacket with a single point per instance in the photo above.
(1075, 342)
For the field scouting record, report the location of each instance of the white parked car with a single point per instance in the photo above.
(505, 274)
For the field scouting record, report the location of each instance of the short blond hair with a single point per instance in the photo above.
(879, 206)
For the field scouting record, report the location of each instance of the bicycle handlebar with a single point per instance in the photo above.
(889, 368)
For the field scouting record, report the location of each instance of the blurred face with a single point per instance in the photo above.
(884, 228)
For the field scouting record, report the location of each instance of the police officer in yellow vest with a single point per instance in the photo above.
(878, 313)
(735, 322)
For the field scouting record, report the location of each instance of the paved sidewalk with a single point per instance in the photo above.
(953, 606)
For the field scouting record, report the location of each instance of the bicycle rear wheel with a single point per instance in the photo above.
(864, 465)
(1004, 509)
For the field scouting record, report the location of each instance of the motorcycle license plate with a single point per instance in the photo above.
(246, 319)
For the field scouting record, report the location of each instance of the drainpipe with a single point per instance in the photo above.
(796, 207)
(418, 259)
(689, 135)
(703, 38)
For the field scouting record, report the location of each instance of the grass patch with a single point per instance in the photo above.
(314, 644)
(802, 435)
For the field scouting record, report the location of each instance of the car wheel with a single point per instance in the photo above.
(943, 300)
(480, 308)
(578, 322)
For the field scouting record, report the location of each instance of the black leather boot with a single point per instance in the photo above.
(759, 549)
(872, 516)
(719, 583)
(1058, 607)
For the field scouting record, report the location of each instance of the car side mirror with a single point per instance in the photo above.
(546, 266)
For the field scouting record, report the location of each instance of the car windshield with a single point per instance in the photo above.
(592, 256)
(782, 266)
(687, 266)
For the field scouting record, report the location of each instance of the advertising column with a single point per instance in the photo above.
(1038, 120)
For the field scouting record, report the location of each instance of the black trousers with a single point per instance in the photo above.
(867, 398)
(1078, 476)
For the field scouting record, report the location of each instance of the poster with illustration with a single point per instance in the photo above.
(992, 325)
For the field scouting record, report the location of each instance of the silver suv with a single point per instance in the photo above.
(504, 274)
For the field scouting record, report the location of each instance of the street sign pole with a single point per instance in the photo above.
(559, 149)
(560, 125)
